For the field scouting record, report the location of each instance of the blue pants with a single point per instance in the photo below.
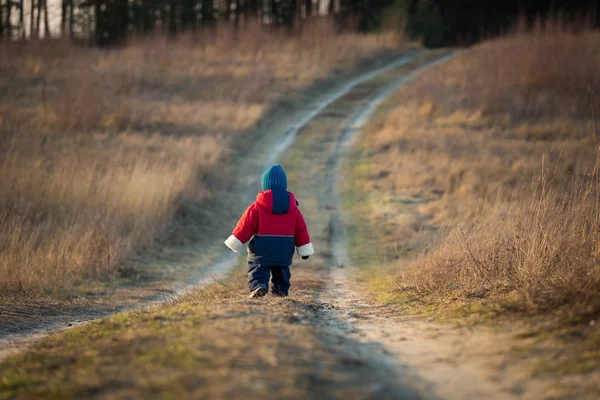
(258, 276)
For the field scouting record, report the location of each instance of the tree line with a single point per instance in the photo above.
(442, 22)
(439, 22)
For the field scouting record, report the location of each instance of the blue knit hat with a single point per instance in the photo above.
(274, 178)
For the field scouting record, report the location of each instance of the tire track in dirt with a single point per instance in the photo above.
(313, 168)
(349, 307)
(437, 361)
(354, 124)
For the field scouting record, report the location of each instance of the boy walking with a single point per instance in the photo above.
(274, 226)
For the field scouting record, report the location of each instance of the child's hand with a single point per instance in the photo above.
(305, 257)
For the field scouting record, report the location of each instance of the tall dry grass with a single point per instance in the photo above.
(536, 253)
(501, 143)
(99, 147)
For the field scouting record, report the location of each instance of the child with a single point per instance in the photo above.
(274, 226)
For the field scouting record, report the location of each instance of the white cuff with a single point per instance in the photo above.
(306, 250)
(234, 243)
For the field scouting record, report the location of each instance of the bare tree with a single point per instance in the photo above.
(31, 18)
(22, 18)
(7, 9)
(63, 17)
(46, 22)
(71, 18)
(38, 16)
(1, 20)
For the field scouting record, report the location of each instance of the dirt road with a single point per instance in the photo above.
(182, 269)
(325, 341)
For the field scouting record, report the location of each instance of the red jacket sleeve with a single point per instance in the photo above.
(301, 236)
(247, 225)
(303, 245)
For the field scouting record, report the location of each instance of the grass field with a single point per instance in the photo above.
(479, 185)
(214, 342)
(411, 186)
(100, 149)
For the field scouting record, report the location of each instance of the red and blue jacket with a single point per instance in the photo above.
(273, 227)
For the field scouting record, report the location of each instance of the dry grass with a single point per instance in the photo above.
(500, 142)
(99, 148)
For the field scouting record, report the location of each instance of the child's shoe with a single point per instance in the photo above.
(277, 292)
(258, 292)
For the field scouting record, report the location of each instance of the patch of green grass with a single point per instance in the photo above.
(587, 361)
(68, 365)
(150, 351)
(366, 244)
